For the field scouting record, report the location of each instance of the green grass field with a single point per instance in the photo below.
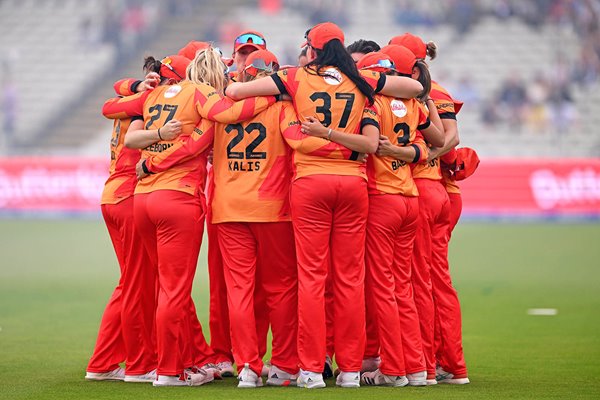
(55, 277)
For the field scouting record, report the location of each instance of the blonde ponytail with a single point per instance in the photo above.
(208, 68)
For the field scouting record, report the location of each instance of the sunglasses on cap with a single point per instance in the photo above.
(260, 64)
(306, 37)
(250, 38)
(382, 64)
(167, 63)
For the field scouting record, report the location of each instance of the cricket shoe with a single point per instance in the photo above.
(148, 377)
(328, 368)
(278, 377)
(265, 369)
(377, 378)
(430, 381)
(200, 377)
(249, 379)
(226, 368)
(310, 380)
(167, 380)
(442, 376)
(117, 374)
(417, 379)
(210, 368)
(370, 364)
(348, 379)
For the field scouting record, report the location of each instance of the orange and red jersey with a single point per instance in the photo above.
(190, 104)
(336, 101)
(253, 169)
(399, 120)
(446, 109)
(126, 87)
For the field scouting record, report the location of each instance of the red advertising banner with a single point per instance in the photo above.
(533, 188)
(499, 187)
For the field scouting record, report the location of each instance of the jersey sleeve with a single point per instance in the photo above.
(371, 116)
(424, 120)
(421, 149)
(201, 139)
(375, 79)
(444, 104)
(286, 81)
(125, 107)
(126, 87)
(215, 107)
(290, 126)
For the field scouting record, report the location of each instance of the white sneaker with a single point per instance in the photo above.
(226, 369)
(167, 380)
(377, 378)
(265, 369)
(148, 377)
(370, 364)
(442, 376)
(348, 379)
(328, 368)
(310, 380)
(278, 377)
(117, 374)
(210, 368)
(417, 379)
(200, 377)
(248, 378)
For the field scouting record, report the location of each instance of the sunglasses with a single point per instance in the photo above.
(250, 38)
(167, 63)
(382, 64)
(306, 37)
(260, 64)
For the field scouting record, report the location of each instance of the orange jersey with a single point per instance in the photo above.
(253, 168)
(121, 180)
(126, 87)
(398, 120)
(450, 183)
(190, 104)
(445, 108)
(338, 104)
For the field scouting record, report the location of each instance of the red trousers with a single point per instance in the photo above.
(391, 229)
(261, 255)
(329, 214)
(448, 333)
(171, 224)
(127, 329)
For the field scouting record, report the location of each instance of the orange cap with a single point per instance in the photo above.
(412, 42)
(321, 34)
(261, 59)
(467, 162)
(190, 49)
(252, 39)
(403, 58)
(173, 67)
(376, 61)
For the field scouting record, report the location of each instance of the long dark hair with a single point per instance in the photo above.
(424, 79)
(334, 54)
(151, 64)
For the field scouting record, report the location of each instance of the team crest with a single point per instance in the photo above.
(333, 76)
(172, 91)
(398, 108)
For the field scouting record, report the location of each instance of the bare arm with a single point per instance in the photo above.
(260, 87)
(402, 87)
(365, 143)
(139, 138)
(451, 138)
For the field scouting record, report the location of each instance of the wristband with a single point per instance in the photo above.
(145, 168)
(329, 134)
(160, 137)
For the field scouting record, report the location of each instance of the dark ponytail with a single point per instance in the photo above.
(424, 79)
(151, 65)
(335, 54)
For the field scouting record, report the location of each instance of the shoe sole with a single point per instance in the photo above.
(138, 380)
(417, 383)
(458, 381)
(431, 382)
(281, 382)
(349, 385)
(168, 384)
(87, 378)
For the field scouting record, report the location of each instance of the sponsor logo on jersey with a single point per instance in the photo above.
(398, 108)
(333, 76)
(172, 91)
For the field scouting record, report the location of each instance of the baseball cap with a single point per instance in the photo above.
(173, 67)
(467, 162)
(261, 60)
(252, 39)
(319, 35)
(403, 58)
(412, 42)
(376, 61)
(190, 49)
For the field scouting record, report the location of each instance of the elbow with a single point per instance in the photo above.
(232, 92)
(416, 88)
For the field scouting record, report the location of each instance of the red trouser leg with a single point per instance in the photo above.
(261, 313)
(386, 216)
(447, 306)
(414, 359)
(279, 282)
(430, 205)
(372, 330)
(238, 247)
(455, 211)
(220, 338)
(329, 214)
(178, 220)
(110, 348)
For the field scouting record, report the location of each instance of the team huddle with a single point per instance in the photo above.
(329, 194)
